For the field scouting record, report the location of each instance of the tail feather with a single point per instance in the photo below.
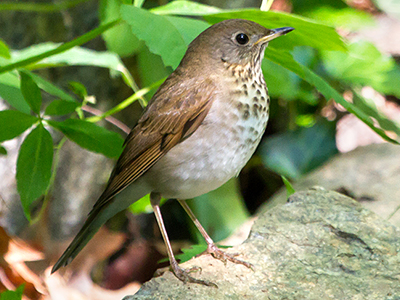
(97, 217)
(91, 226)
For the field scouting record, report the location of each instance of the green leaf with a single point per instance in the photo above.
(283, 83)
(150, 68)
(31, 92)
(187, 8)
(143, 205)
(60, 49)
(369, 107)
(39, 7)
(289, 188)
(163, 37)
(34, 166)
(285, 59)
(211, 210)
(295, 153)
(76, 56)
(138, 3)
(50, 88)
(307, 32)
(13, 123)
(10, 91)
(79, 89)
(60, 108)
(4, 51)
(365, 65)
(349, 18)
(189, 29)
(13, 295)
(3, 151)
(189, 253)
(119, 39)
(91, 137)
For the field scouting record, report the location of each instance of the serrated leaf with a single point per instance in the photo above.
(307, 32)
(10, 91)
(31, 92)
(120, 38)
(60, 108)
(163, 37)
(91, 136)
(286, 60)
(187, 8)
(34, 166)
(13, 123)
(4, 51)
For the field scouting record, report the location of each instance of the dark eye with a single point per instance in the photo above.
(242, 38)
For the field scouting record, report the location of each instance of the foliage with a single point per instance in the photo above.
(12, 295)
(305, 69)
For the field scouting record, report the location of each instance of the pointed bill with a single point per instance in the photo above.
(274, 33)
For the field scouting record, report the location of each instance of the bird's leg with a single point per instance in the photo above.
(211, 247)
(179, 272)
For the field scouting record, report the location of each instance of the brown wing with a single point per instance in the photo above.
(173, 114)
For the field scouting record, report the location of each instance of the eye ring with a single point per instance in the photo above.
(242, 38)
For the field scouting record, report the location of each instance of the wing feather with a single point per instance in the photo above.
(172, 115)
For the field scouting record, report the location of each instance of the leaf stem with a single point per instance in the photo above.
(138, 95)
(40, 7)
(66, 46)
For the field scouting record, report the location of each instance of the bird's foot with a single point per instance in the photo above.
(183, 275)
(224, 257)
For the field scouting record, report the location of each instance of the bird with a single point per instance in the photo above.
(198, 131)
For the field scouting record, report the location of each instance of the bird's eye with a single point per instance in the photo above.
(242, 38)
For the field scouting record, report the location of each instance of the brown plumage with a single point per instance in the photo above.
(196, 133)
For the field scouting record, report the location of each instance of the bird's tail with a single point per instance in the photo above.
(97, 217)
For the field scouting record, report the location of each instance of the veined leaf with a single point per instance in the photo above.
(31, 92)
(13, 123)
(285, 59)
(166, 36)
(77, 56)
(10, 91)
(187, 8)
(60, 108)
(307, 32)
(50, 88)
(91, 136)
(34, 166)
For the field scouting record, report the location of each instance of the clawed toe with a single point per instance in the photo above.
(224, 257)
(184, 276)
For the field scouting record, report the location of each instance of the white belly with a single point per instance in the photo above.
(216, 151)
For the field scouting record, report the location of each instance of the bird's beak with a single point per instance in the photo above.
(274, 33)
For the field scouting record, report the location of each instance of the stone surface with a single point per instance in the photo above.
(369, 174)
(320, 245)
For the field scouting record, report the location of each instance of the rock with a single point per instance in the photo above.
(369, 174)
(320, 245)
